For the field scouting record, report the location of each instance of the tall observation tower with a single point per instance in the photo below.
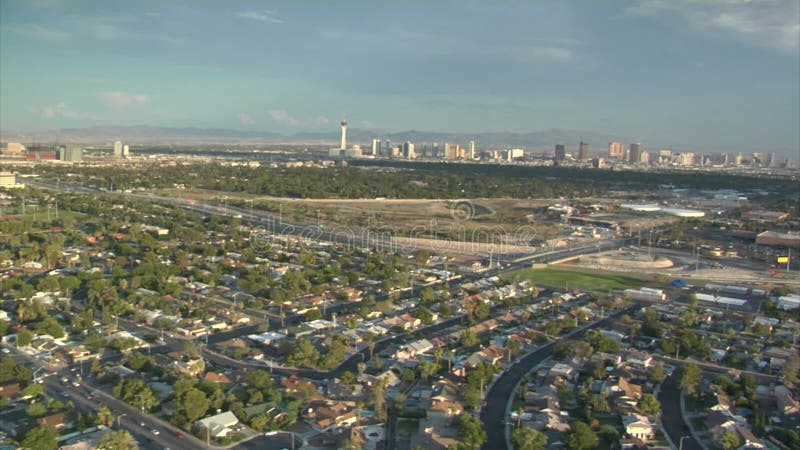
(344, 135)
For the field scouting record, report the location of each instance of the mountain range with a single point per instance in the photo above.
(143, 134)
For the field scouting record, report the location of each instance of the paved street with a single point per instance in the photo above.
(671, 416)
(493, 415)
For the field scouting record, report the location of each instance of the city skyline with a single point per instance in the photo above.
(720, 76)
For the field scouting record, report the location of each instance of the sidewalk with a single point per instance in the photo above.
(688, 422)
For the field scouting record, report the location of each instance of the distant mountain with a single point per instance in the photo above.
(143, 134)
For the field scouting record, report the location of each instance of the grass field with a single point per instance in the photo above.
(583, 280)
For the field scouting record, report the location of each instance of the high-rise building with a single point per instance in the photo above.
(598, 162)
(664, 156)
(634, 153)
(14, 148)
(451, 151)
(644, 157)
(471, 154)
(126, 150)
(344, 135)
(583, 151)
(408, 150)
(615, 150)
(560, 153)
(71, 153)
(387, 148)
(686, 159)
(118, 149)
(376, 147)
(771, 160)
(8, 180)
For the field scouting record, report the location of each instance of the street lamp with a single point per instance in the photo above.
(680, 444)
(118, 419)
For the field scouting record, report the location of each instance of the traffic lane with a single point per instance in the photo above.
(493, 414)
(671, 415)
(80, 397)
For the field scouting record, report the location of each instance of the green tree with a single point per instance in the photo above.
(690, 378)
(258, 379)
(105, 417)
(312, 314)
(649, 405)
(729, 440)
(118, 440)
(580, 437)
(41, 438)
(36, 410)
(470, 430)
(348, 378)
(469, 338)
(528, 439)
(33, 390)
(791, 368)
(193, 404)
(656, 374)
(24, 337)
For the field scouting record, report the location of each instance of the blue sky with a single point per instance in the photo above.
(691, 74)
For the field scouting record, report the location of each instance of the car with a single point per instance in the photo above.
(76, 384)
(142, 424)
(179, 435)
(6, 351)
(65, 394)
(271, 433)
(154, 431)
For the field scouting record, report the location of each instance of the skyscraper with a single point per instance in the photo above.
(583, 151)
(118, 149)
(615, 150)
(561, 152)
(451, 151)
(126, 150)
(408, 150)
(635, 153)
(344, 135)
(72, 153)
(471, 154)
(376, 147)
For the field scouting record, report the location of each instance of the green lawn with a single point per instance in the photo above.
(583, 280)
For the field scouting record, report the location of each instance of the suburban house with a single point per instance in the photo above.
(219, 425)
(638, 426)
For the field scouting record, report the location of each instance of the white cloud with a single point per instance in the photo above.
(262, 16)
(61, 110)
(540, 53)
(38, 32)
(245, 118)
(319, 120)
(283, 117)
(119, 100)
(769, 24)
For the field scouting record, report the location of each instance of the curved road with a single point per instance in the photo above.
(672, 416)
(499, 395)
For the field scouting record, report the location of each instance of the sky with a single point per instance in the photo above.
(710, 75)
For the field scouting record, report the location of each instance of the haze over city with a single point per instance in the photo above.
(698, 76)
